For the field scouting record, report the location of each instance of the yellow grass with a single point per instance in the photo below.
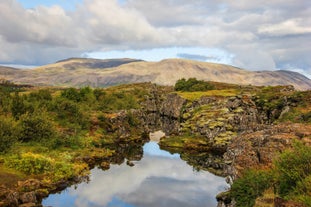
(198, 94)
(267, 200)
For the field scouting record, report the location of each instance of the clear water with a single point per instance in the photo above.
(158, 179)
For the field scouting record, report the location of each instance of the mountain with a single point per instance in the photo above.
(75, 63)
(101, 73)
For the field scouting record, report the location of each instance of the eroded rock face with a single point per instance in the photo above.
(170, 113)
(172, 106)
(161, 111)
(260, 148)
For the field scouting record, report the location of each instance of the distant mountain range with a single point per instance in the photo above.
(101, 73)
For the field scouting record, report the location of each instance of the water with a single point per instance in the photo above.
(158, 179)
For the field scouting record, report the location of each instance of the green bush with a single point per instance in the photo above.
(87, 95)
(302, 191)
(30, 163)
(19, 106)
(8, 133)
(5, 101)
(36, 127)
(99, 94)
(251, 185)
(192, 84)
(70, 114)
(118, 101)
(290, 177)
(41, 95)
(293, 167)
(35, 164)
(71, 94)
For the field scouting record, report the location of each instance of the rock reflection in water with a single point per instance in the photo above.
(159, 179)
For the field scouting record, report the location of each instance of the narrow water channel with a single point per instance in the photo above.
(158, 179)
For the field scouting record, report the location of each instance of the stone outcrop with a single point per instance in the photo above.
(27, 194)
(162, 111)
(170, 113)
(239, 127)
(258, 149)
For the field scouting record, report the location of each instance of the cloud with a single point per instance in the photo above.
(288, 27)
(153, 181)
(267, 35)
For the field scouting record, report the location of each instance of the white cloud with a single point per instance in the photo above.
(254, 32)
(288, 27)
(151, 180)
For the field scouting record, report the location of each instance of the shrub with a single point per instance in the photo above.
(69, 113)
(36, 127)
(5, 101)
(192, 84)
(99, 94)
(290, 177)
(8, 133)
(18, 107)
(251, 185)
(41, 95)
(293, 167)
(35, 164)
(29, 163)
(71, 94)
(118, 101)
(87, 95)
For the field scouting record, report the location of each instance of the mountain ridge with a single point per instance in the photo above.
(79, 72)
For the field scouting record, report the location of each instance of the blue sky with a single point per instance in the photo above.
(157, 54)
(269, 35)
(66, 4)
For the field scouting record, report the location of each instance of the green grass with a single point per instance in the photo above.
(9, 177)
(186, 142)
(198, 94)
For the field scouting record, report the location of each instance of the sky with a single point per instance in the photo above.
(255, 35)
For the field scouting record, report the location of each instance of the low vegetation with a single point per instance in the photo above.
(290, 177)
(44, 130)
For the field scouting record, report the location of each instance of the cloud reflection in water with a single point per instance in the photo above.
(159, 179)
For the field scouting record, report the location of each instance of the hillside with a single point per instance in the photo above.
(102, 73)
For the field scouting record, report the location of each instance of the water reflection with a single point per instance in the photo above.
(153, 149)
(159, 179)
